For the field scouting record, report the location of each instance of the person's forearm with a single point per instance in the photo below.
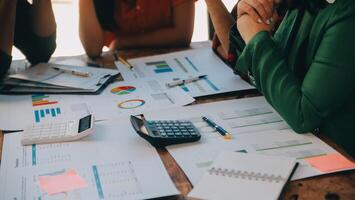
(222, 21)
(43, 19)
(90, 31)
(7, 24)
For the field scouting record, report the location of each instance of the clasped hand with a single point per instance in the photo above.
(255, 16)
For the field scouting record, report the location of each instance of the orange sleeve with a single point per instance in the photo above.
(178, 2)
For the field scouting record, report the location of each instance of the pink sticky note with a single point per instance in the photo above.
(331, 162)
(65, 182)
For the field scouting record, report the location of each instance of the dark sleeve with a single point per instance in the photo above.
(5, 62)
(36, 48)
(105, 14)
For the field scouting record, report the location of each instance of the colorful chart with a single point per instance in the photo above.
(122, 90)
(43, 113)
(131, 104)
(160, 66)
(41, 100)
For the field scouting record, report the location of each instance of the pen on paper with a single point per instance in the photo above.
(74, 72)
(184, 81)
(219, 129)
(125, 62)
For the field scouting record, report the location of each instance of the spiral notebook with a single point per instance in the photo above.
(245, 176)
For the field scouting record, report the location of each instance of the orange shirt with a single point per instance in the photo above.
(142, 16)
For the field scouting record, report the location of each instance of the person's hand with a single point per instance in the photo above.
(248, 27)
(260, 10)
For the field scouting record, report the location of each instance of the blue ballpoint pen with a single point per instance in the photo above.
(219, 129)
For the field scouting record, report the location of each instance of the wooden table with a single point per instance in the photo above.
(328, 187)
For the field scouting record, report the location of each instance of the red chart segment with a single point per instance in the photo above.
(122, 90)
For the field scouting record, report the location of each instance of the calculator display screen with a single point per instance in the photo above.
(84, 123)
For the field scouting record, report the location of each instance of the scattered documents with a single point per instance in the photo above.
(118, 99)
(158, 71)
(244, 176)
(255, 128)
(63, 182)
(58, 78)
(115, 163)
(331, 163)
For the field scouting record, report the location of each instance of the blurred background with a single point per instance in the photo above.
(68, 43)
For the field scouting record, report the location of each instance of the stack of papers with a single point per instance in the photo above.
(56, 78)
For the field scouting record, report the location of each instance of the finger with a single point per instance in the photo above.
(263, 7)
(244, 8)
(259, 7)
(268, 6)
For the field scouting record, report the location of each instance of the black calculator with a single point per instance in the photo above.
(161, 133)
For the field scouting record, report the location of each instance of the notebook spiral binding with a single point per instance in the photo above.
(247, 175)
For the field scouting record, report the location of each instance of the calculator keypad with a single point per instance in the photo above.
(49, 132)
(173, 128)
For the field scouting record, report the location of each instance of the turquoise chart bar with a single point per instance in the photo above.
(98, 182)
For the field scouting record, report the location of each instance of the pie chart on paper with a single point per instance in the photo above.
(122, 90)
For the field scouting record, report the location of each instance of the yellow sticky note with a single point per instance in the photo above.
(330, 162)
(65, 182)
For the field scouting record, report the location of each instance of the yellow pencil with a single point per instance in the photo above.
(125, 62)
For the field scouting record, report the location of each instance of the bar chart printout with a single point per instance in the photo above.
(44, 107)
(160, 67)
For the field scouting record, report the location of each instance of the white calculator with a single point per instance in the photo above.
(58, 132)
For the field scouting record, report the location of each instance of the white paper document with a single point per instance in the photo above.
(128, 98)
(18, 112)
(118, 99)
(255, 128)
(157, 71)
(64, 75)
(114, 161)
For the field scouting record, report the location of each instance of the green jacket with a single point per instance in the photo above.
(306, 70)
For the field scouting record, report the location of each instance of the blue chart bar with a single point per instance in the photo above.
(163, 70)
(53, 112)
(48, 112)
(191, 63)
(98, 182)
(212, 85)
(34, 155)
(42, 113)
(37, 117)
(184, 88)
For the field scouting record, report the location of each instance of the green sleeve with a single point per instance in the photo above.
(327, 85)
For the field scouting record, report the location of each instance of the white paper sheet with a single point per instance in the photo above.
(118, 99)
(18, 112)
(255, 127)
(45, 73)
(126, 166)
(126, 98)
(156, 71)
